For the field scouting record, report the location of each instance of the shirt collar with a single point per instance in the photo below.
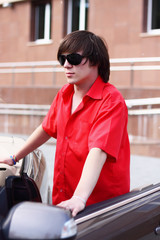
(67, 91)
(94, 92)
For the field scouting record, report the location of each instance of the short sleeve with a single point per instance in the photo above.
(110, 128)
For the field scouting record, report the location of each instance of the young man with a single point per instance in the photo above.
(88, 118)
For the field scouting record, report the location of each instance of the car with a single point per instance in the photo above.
(135, 215)
(34, 164)
(23, 214)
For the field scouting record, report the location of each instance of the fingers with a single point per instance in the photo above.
(74, 205)
(7, 161)
(75, 212)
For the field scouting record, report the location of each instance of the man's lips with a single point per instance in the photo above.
(69, 74)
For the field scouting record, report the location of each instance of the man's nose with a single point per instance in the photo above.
(67, 64)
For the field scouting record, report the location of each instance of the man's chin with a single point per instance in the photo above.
(71, 81)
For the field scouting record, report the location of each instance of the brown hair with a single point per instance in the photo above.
(92, 47)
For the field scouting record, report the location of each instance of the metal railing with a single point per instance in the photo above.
(23, 109)
(30, 67)
(140, 112)
(117, 64)
(134, 108)
(152, 106)
(135, 64)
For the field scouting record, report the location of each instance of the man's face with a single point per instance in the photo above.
(79, 74)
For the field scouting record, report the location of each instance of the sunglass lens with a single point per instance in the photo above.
(74, 58)
(62, 59)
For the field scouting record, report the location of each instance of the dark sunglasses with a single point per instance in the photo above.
(73, 59)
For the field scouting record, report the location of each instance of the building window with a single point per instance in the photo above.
(75, 15)
(41, 21)
(152, 16)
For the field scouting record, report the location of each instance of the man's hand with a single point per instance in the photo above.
(7, 161)
(74, 204)
(90, 174)
(4, 157)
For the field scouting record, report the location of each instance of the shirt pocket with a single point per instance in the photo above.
(82, 132)
(79, 140)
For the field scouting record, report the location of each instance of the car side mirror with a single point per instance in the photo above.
(30, 220)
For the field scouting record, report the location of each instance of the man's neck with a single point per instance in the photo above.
(80, 90)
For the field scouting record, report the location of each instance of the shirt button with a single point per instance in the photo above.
(66, 137)
(61, 190)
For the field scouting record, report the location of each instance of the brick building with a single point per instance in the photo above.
(31, 30)
(30, 33)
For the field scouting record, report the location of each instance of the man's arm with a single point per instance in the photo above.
(37, 138)
(90, 174)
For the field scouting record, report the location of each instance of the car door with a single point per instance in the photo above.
(132, 216)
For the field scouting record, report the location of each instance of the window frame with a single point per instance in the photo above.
(83, 13)
(35, 22)
(149, 19)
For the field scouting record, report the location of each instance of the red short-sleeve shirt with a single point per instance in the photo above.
(99, 121)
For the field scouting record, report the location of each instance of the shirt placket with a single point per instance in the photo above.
(63, 168)
(63, 154)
